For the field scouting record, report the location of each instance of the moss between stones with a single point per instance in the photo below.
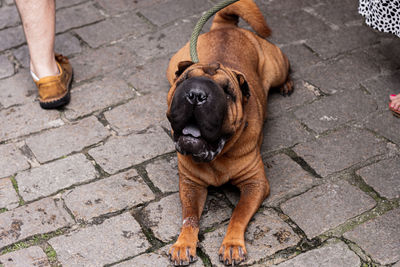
(15, 185)
(15, 247)
(203, 257)
(51, 255)
(36, 240)
(382, 207)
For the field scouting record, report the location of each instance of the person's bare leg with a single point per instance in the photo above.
(38, 19)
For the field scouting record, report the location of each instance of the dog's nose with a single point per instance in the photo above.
(196, 96)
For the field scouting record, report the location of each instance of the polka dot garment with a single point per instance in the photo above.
(383, 15)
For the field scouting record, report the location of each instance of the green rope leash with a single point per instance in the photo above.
(200, 24)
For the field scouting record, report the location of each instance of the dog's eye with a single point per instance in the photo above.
(228, 92)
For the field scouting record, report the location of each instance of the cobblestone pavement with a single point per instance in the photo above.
(95, 184)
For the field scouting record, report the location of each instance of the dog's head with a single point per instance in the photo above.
(205, 108)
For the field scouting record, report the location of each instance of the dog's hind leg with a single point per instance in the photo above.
(286, 88)
(193, 197)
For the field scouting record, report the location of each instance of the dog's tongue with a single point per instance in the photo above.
(192, 130)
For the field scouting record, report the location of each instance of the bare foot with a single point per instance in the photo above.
(394, 104)
(395, 99)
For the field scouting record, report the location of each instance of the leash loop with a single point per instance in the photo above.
(199, 25)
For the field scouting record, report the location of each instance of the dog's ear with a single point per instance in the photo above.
(182, 66)
(244, 86)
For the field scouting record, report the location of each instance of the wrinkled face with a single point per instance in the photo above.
(205, 108)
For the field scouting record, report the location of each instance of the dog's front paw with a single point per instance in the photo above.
(182, 253)
(232, 252)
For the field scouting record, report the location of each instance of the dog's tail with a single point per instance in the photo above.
(248, 11)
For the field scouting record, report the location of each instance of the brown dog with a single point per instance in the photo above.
(216, 109)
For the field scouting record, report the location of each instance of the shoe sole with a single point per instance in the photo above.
(59, 102)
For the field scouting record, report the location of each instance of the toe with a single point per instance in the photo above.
(232, 255)
(182, 255)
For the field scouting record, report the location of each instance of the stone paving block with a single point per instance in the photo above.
(123, 73)
(286, 179)
(380, 237)
(265, 235)
(46, 215)
(346, 147)
(18, 89)
(113, 29)
(12, 160)
(146, 260)
(327, 206)
(170, 10)
(331, 43)
(383, 177)
(215, 211)
(6, 67)
(26, 119)
(67, 3)
(22, 55)
(115, 239)
(77, 16)
(64, 140)
(382, 123)
(283, 132)
(65, 44)
(32, 256)
(333, 76)
(338, 13)
(101, 61)
(300, 57)
(281, 25)
(8, 197)
(95, 96)
(118, 192)
(388, 61)
(164, 174)
(165, 216)
(164, 42)
(382, 87)
(122, 152)
(387, 64)
(9, 16)
(51, 178)
(120, 6)
(279, 105)
(390, 47)
(157, 258)
(11, 37)
(151, 77)
(283, 6)
(332, 255)
(330, 112)
(139, 113)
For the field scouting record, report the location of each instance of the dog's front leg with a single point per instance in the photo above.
(252, 192)
(193, 197)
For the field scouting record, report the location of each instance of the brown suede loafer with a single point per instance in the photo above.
(54, 90)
